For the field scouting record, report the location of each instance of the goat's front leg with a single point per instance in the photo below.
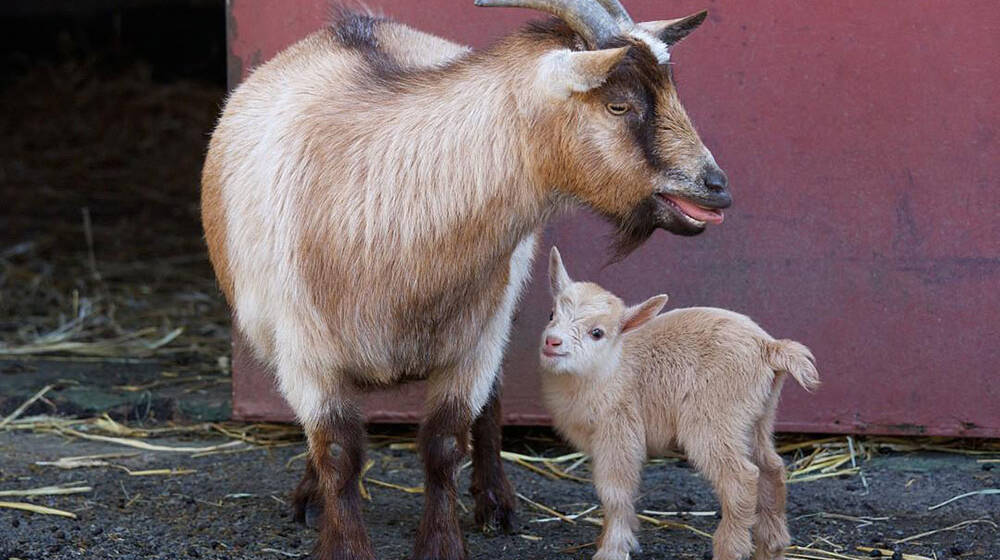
(496, 506)
(617, 465)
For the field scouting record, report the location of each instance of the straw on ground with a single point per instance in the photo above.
(37, 509)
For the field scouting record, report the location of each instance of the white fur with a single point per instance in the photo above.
(658, 47)
(573, 323)
(486, 361)
(270, 299)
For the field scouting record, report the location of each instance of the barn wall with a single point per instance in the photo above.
(861, 143)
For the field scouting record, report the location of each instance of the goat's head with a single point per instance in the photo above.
(623, 143)
(588, 323)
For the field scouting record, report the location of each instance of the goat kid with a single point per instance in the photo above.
(622, 383)
(370, 199)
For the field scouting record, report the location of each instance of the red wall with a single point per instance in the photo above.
(860, 139)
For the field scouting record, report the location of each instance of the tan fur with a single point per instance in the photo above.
(704, 380)
(301, 200)
(372, 196)
(415, 49)
(213, 217)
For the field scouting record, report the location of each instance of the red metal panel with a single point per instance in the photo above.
(861, 143)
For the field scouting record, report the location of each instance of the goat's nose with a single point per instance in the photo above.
(553, 341)
(715, 178)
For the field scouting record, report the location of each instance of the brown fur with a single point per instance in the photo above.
(371, 198)
(443, 443)
(214, 220)
(702, 379)
(336, 453)
(648, 87)
(307, 497)
(496, 505)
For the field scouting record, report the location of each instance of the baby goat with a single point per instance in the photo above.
(622, 383)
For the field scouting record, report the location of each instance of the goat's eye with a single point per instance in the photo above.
(552, 315)
(618, 108)
(597, 334)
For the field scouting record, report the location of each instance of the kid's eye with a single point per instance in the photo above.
(552, 315)
(597, 334)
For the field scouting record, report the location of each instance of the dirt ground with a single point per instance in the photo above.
(234, 504)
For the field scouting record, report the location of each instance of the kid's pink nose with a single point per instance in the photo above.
(552, 341)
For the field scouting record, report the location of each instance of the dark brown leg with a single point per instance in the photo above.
(307, 502)
(496, 506)
(443, 442)
(337, 453)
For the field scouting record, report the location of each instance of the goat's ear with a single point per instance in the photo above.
(638, 315)
(671, 31)
(564, 72)
(558, 279)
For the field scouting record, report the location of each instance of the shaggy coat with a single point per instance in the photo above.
(622, 384)
(371, 198)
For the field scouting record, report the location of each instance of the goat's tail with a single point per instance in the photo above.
(788, 356)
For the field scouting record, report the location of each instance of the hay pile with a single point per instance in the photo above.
(103, 254)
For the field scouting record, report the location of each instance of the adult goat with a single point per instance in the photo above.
(371, 198)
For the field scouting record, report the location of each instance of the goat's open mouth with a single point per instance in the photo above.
(695, 212)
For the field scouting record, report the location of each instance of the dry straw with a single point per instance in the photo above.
(24, 406)
(61, 490)
(37, 509)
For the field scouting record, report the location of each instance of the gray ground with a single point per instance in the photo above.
(234, 505)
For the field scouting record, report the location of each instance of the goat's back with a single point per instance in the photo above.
(700, 362)
(337, 232)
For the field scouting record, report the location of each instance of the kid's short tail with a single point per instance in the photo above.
(788, 356)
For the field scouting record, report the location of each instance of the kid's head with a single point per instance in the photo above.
(588, 323)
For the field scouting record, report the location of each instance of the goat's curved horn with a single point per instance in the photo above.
(587, 18)
(617, 11)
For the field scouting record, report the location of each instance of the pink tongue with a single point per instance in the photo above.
(697, 212)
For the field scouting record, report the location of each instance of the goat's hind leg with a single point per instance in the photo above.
(770, 533)
(454, 398)
(336, 433)
(496, 506)
(734, 478)
(336, 454)
(307, 500)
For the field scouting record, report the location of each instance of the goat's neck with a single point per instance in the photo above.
(468, 154)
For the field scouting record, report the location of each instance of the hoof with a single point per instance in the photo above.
(440, 545)
(496, 516)
(343, 551)
(308, 513)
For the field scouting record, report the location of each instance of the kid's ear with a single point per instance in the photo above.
(638, 315)
(558, 279)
